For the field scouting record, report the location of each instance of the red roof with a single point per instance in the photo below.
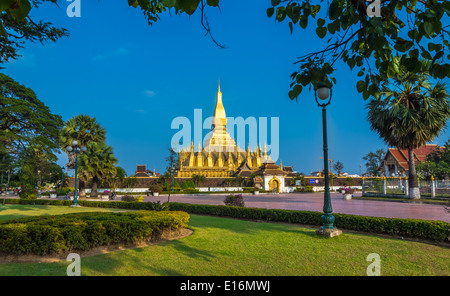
(420, 154)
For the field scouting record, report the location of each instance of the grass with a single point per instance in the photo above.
(8, 212)
(402, 198)
(231, 247)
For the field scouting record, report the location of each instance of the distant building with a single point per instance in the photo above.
(395, 162)
(141, 171)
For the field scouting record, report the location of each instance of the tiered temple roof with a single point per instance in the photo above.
(220, 156)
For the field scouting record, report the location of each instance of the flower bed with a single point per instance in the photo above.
(234, 200)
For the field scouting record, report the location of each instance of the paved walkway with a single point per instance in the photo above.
(314, 202)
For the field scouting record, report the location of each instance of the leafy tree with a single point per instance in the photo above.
(188, 184)
(197, 179)
(428, 169)
(300, 178)
(25, 121)
(413, 29)
(437, 164)
(17, 25)
(374, 160)
(411, 113)
(84, 129)
(35, 167)
(97, 164)
(338, 166)
(172, 163)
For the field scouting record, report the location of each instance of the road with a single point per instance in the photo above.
(314, 202)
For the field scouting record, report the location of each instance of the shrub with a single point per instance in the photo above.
(307, 188)
(234, 200)
(67, 189)
(127, 198)
(82, 231)
(155, 188)
(347, 190)
(188, 184)
(157, 206)
(415, 228)
(139, 199)
(27, 193)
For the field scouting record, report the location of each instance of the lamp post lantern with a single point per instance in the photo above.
(74, 147)
(323, 92)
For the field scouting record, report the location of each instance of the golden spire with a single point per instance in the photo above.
(199, 156)
(220, 117)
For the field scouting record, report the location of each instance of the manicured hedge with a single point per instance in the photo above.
(42, 235)
(415, 228)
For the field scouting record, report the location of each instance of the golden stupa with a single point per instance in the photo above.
(220, 156)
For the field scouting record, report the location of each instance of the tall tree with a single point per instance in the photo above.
(373, 161)
(25, 121)
(97, 164)
(338, 166)
(17, 25)
(84, 129)
(411, 113)
(197, 179)
(437, 164)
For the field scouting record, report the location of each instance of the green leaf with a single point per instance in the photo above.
(3, 31)
(5, 4)
(297, 89)
(275, 2)
(320, 22)
(281, 13)
(361, 86)
(168, 3)
(270, 11)
(428, 27)
(188, 6)
(303, 21)
(291, 27)
(214, 3)
(321, 31)
(334, 26)
(333, 12)
(21, 11)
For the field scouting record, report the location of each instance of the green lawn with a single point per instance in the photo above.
(222, 246)
(18, 211)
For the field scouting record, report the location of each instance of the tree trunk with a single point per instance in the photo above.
(94, 187)
(82, 188)
(414, 192)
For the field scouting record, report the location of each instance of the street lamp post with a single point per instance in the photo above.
(62, 178)
(328, 229)
(74, 147)
(172, 170)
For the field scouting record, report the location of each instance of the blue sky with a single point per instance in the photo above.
(135, 79)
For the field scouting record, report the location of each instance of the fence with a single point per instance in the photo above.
(399, 186)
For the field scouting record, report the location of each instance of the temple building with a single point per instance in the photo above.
(396, 161)
(220, 157)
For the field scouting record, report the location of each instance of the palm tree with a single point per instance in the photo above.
(410, 113)
(96, 164)
(84, 129)
(197, 179)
